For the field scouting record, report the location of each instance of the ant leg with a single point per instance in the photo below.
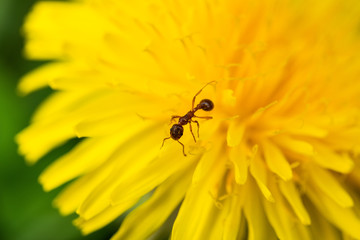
(164, 141)
(198, 125)
(182, 147)
(204, 117)
(193, 101)
(192, 131)
(174, 117)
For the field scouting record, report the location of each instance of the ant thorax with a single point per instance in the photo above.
(186, 118)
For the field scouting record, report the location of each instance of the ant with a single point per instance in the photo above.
(177, 130)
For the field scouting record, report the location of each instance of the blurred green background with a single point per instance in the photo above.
(26, 212)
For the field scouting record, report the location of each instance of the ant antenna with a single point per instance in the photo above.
(193, 101)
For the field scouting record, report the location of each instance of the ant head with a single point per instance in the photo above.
(206, 105)
(176, 131)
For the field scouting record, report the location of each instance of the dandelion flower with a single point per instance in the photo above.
(278, 160)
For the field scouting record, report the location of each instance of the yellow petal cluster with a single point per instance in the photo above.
(278, 160)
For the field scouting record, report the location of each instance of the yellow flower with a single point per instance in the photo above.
(278, 160)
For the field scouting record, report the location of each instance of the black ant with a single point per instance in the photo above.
(177, 130)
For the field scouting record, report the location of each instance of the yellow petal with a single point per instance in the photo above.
(124, 169)
(228, 98)
(290, 192)
(320, 227)
(294, 145)
(344, 138)
(282, 222)
(150, 176)
(103, 218)
(276, 161)
(258, 225)
(54, 129)
(235, 133)
(328, 184)
(124, 123)
(60, 103)
(40, 77)
(234, 216)
(85, 157)
(148, 217)
(74, 194)
(282, 219)
(198, 215)
(343, 218)
(237, 156)
(81, 80)
(308, 130)
(202, 168)
(259, 172)
(56, 20)
(39, 138)
(327, 158)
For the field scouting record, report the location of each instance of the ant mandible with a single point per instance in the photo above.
(177, 130)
